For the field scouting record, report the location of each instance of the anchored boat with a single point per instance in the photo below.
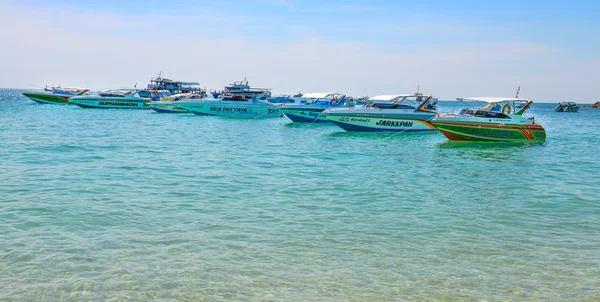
(175, 87)
(566, 107)
(170, 104)
(397, 113)
(495, 120)
(242, 91)
(242, 108)
(115, 99)
(55, 95)
(310, 106)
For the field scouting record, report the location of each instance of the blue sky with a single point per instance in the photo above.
(454, 48)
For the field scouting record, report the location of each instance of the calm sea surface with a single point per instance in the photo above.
(135, 205)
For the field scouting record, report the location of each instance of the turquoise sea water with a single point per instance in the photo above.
(134, 205)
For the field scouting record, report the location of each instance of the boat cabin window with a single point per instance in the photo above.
(483, 113)
(496, 115)
(144, 94)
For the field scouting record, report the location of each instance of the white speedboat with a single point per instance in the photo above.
(170, 104)
(253, 108)
(115, 99)
(566, 107)
(310, 106)
(398, 113)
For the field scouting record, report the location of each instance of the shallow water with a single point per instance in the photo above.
(135, 205)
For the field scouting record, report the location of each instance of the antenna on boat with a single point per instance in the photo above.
(518, 90)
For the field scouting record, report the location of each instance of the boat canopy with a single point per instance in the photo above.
(188, 83)
(492, 100)
(318, 95)
(390, 97)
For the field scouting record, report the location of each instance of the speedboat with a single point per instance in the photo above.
(566, 107)
(55, 95)
(241, 90)
(310, 106)
(115, 99)
(253, 108)
(282, 99)
(397, 113)
(494, 119)
(170, 104)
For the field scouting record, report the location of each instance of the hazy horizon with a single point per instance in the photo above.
(354, 47)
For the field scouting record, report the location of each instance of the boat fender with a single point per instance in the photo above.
(506, 109)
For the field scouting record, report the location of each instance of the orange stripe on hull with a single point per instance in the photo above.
(453, 137)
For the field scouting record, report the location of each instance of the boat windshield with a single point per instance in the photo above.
(399, 102)
(500, 109)
(318, 99)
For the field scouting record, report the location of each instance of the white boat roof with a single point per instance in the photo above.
(488, 99)
(389, 97)
(317, 95)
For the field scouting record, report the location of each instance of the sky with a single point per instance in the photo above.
(448, 48)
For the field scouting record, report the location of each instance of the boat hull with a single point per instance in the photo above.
(110, 103)
(373, 123)
(465, 131)
(307, 115)
(166, 107)
(46, 98)
(228, 109)
(567, 109)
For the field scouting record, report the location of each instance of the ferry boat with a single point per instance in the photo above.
(310, 106)
(494, 119)
(242, 91)
(174, 87)
(396, 113)
(115, 99)
(55, 95)
(242, 108)
(566, 107)
(170, 104)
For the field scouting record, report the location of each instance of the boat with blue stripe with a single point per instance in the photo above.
(389, 113)
(309, 107)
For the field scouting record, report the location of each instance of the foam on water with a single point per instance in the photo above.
(130, 205)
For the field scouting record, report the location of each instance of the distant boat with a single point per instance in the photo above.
(310, 106)
(55, 95)
(397, 113)
(593, 106)
(215, 94)
(115, 99)
(241, 90)
(566, 107)
(174, 87)
(282, 99)
(170, 104)
(496, 120)
(242, 108)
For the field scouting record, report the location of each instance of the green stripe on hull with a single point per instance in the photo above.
(50, 99)
(477, 133)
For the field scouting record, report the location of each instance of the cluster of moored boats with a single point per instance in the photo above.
(482, 119)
